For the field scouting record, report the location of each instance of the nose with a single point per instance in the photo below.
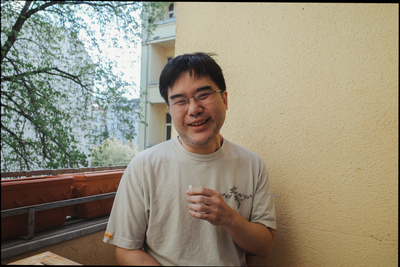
(194, 107)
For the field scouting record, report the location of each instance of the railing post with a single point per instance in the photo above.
(31, 223)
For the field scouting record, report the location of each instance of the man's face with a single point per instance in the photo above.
(198, 125)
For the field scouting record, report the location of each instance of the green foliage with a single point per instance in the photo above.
(49, 82)
(113, 152)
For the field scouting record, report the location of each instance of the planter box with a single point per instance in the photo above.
(94, 183)
(23, 192)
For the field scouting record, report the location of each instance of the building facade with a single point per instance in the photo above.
(106, 123)
(157, 49)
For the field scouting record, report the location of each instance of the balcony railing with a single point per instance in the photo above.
(73, 228)
(57, 172)
(51, 205)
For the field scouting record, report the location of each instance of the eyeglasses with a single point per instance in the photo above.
(202, 97)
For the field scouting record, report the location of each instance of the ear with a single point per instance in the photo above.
(225, 98)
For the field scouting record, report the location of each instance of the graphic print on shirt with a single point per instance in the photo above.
(238, 196)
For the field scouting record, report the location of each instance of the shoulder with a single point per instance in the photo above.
(237, 150)
(147, 160)
(245, 158)
(163, 147)
(155, 153)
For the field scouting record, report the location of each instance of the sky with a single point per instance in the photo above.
(128, 64)
(128, 59)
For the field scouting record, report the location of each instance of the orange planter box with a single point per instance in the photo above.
(94, 183)
(23, 192)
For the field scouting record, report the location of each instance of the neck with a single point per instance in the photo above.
(209, 148)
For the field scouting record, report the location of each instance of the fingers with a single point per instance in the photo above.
(198, 215)
(204, 196)
(210, 217)
(199, 208)
(199, 199)
(206, 204)
(200, 191)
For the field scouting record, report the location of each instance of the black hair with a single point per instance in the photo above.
(200, 64)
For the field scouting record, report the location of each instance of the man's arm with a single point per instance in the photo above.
(251, 237)
(134, 257)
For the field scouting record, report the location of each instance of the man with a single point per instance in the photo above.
(228, 212)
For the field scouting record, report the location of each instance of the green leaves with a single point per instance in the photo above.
(50, 77)
(113, 152)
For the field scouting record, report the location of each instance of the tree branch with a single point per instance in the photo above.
(48, 80)
(23, 16)
(16, 28)
(40, 129)
(124, 3)
(20, 141)
(19, 75)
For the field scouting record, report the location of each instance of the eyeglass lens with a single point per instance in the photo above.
(203, 97)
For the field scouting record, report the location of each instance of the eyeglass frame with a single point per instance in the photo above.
(194, 96)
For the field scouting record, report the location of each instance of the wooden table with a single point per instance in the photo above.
(45, 258)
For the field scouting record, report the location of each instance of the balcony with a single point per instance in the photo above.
(78, 239)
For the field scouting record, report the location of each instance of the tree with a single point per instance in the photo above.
(43, 51)
(112, 152)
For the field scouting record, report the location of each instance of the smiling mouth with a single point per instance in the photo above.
(197, 123)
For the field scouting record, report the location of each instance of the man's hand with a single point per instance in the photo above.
(208, 204)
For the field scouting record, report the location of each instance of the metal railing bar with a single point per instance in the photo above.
(56, 204)
(68, 234)
(59, 171)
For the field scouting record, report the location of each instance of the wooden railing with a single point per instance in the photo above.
(57, 172)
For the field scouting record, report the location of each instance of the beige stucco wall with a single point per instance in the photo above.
(313, 89)
(156, 130)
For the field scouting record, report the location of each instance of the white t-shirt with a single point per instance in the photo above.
(150, 208)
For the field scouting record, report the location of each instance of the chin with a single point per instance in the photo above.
(202, 141)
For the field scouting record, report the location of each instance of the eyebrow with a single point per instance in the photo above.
(207, 87)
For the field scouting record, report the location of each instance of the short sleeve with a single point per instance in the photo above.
(128, 222)
(263, 211)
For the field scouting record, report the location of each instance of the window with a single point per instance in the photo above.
(168, 126)
(171, 11)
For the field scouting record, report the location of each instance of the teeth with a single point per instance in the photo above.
(195, 124)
